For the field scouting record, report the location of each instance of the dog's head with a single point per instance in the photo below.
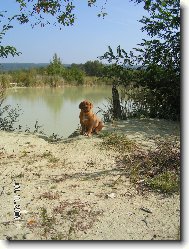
(85, 106)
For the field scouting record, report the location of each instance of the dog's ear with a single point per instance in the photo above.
(80, 105)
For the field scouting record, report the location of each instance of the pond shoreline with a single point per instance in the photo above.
(62, 86)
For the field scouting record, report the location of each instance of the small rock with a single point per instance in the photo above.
(90, 193)
(112, 195)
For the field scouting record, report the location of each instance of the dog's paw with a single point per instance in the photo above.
(87, 134)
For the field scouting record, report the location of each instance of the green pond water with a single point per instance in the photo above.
(56, 109)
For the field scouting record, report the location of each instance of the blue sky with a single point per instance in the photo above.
(86, 40)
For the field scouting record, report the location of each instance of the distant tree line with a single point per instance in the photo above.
(56, 74)
(91, 68)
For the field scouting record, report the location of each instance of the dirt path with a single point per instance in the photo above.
(75, 190)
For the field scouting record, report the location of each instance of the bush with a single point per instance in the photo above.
(5, 80)
(74, 76)
(8, 116)
(137, 102)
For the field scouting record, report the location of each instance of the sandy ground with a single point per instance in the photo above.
(75, 190)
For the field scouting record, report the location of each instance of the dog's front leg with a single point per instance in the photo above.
(89, 131)
(83, 129)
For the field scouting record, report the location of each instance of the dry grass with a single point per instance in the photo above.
(156, 169)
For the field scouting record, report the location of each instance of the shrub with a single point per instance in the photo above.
(8, 115)
(5, 80)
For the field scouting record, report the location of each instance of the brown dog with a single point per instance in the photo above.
(88, 120)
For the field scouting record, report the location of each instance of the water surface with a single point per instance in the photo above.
(56, 109)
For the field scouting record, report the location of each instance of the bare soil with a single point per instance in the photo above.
(76, 190)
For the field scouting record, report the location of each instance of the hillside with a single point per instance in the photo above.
(75, 189)
(17, 66)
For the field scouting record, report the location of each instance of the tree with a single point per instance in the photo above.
(158, 57)
(161, 55)
(93, 68)
(61, 10)
(6, 50)
(163, 26)
(74, 75)
(56, 66)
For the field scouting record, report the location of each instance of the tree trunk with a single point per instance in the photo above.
(116, 103)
